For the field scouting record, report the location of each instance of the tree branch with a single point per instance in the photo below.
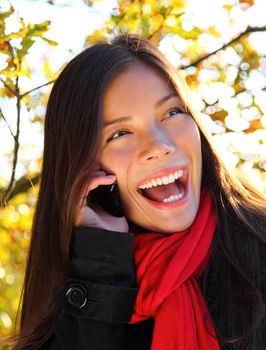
(11, 132)
(247, 31)
(6, 194)
(36, 88)
(156, 33)
(15, 187)
(5, 84)
(8, 87)
(21, 186)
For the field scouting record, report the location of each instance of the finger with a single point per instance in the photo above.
(101, 180)
(94, 183)
(99, 173)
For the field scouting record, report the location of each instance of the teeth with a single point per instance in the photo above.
(159, 182)
(154, 183)
(162, 180)
(165, 180)
(174, 198)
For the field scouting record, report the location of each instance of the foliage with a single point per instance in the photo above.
(15, 224)
(15, 47)
(223, 79)
(16, 216)
(227, 80)
(152, 19)
(17, 51)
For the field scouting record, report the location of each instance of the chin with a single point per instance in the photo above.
(165, 221)
(171, 228)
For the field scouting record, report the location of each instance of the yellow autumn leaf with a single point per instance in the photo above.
(97, 36)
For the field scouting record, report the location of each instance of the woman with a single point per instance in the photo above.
(183, 267)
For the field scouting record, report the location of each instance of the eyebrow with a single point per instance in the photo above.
(164, 99)
(157, 105)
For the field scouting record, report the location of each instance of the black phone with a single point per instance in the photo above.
(108, 197)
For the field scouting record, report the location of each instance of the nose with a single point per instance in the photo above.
(156, 144)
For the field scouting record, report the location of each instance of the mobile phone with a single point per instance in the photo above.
(108, 197)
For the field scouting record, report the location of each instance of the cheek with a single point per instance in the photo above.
(116, 159)
(196, 142)
(195, 151)
(187, 137)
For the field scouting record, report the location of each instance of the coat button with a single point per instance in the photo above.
(76, 295)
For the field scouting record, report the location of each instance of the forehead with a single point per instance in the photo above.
(139, 83)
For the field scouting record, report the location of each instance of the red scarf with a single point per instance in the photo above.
(167, 269)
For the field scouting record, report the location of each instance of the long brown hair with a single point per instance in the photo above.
(73, 128)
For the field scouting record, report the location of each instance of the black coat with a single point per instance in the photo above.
(97, 300)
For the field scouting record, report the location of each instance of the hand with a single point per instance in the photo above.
(94, 215)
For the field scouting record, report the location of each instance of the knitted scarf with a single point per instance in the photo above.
(167, 269)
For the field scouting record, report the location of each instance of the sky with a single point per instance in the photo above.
(72, 21)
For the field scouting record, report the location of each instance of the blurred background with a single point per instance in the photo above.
(219, 46)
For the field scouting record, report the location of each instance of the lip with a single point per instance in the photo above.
(180, 202)
(161, 173)
(171, 205)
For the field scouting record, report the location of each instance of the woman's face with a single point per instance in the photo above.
(153, 147)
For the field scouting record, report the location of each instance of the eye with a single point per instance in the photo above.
(174, 111)
(117, 134)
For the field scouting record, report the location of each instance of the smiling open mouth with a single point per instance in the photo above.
(166, 189)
